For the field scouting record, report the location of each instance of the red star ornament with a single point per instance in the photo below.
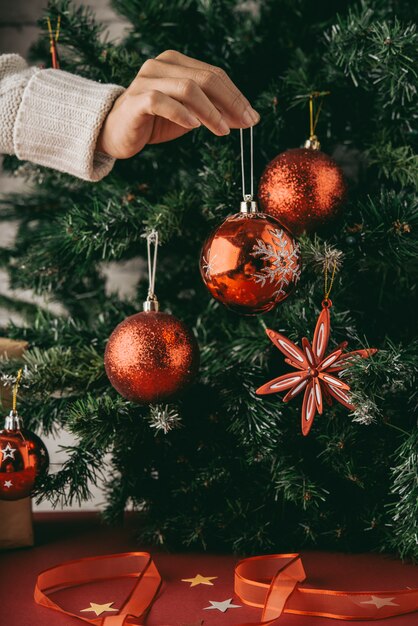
(314, 371)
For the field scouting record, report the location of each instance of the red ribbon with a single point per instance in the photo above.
(271, 583)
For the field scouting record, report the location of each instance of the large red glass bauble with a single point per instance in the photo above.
(23, 457)
(250, 263)
(303, 188)
(151, 356)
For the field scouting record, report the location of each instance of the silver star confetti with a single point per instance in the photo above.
(222, 606)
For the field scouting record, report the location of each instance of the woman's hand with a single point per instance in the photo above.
(171, 95)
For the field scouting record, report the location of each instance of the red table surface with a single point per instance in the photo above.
(62, 537)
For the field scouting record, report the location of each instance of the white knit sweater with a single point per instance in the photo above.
(53, 118)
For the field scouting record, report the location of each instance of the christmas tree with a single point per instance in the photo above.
(221, 467)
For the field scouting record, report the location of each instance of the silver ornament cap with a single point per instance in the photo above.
(13, 421)
(151, 304)
(248, 205)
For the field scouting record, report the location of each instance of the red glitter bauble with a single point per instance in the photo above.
(303, 188)
(250, 263)
(151, 356)
(23, 457)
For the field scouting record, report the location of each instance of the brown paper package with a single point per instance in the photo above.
(16, 529)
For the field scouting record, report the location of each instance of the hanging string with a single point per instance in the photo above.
(314, 116)
(53, 38)
(152, 249)
(246, 196)
(328, 287)
(16, 389)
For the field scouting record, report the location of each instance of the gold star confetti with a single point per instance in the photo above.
(199, 580)
(99, 608)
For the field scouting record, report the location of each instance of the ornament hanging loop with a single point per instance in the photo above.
(327, 302)
(13, 421)
(53, 39)
(313, 141)
(151, 303)
(248, 204)
(16, 389)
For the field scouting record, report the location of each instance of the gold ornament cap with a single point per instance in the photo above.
(312, 143)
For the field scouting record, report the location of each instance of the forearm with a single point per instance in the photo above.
(53, 118)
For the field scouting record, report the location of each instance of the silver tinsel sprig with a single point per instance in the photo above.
(9, 380)
(366, 411)
(322, 255)
(164, 418)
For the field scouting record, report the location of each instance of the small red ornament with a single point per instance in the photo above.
(303, 189)
(23, 457)
(250, 263)
(151, 356)
(315, 371)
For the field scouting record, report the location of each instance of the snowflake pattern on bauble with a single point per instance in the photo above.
(208, 264)
(284, 265)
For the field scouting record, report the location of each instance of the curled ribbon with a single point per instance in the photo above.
(271, 583)
(137, 565)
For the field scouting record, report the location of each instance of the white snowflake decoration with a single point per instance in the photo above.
(208, 264)
(284, 266)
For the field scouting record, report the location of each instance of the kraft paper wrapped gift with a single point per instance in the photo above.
(16, 529)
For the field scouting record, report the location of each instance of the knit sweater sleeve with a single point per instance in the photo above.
(53, 118)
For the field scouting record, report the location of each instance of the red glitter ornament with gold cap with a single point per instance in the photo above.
(303, 188)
